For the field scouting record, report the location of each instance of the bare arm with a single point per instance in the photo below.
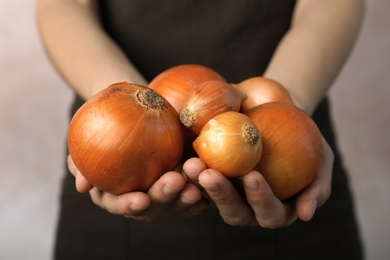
(306, 61)
(90, 61)
(313, 52)
(81, 51)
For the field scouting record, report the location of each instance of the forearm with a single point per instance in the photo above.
(81, 51)
(314, 50)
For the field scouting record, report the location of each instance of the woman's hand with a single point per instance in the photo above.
(169, 194)
(189, 194)
(260, 207)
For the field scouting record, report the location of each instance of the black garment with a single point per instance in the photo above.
(237, 39)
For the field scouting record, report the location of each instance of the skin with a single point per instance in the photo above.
(301, 62)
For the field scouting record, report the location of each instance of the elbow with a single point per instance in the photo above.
(361, 9)
(357, 15)
(41, 13)
(358, 8)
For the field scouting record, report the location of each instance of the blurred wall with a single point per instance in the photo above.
(34, 103)
(33, 110)
(360, 99)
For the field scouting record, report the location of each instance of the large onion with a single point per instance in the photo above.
(207, 100)
(292, 147)
(260, 90)
(125, 137)
(176, 82)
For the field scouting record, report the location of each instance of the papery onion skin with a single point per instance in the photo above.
(260, 90)
(293, 150)
(207, 100)
(176, 82)
(120, 144)
(229, 143)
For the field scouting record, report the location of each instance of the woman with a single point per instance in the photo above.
(302, 44)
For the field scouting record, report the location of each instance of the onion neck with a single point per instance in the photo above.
(150, 99)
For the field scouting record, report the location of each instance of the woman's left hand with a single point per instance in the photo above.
(260, 207)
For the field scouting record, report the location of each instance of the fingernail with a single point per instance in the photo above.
(214, 188)
(136, 207)
(169, 190)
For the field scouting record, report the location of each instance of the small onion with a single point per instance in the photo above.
(293, 150)
(176, 82)
(207, 100)
(260, 90)
(125, 137)
(230, 143)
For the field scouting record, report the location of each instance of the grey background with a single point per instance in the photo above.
(34, 103)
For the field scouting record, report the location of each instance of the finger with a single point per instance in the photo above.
(162, 194)
(318, 192)
(197, 209)
(189, 196)
(71, 166)
(269, 211)
(82, 185)
(192, 168)
(232, 207)
(166, 189)
(127, 204)
(141, 205)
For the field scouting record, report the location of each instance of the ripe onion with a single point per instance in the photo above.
(260, 90)
(230, 143)
(125, 137)
(292, 147)
(176, 82)
(207, 100)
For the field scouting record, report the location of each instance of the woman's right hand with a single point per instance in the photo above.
(169, 194)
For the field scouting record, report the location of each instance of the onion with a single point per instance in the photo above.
(230, 143)
(125, 137)
(292, 147)
(207, 100)
(260, 90)
(176, 82)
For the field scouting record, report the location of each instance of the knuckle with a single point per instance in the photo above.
(144, 218)
(270, 224)
(243, 219)
(324, 196)
(96, 199)
(235, 221)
